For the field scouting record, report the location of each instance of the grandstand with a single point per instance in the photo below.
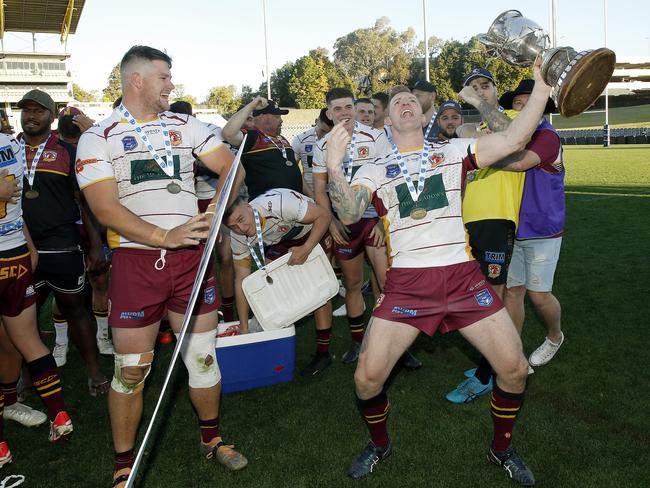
(48, 71)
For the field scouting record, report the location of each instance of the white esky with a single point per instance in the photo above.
(221, 42)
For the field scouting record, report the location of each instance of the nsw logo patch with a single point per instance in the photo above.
(484, 298)
(129, 143)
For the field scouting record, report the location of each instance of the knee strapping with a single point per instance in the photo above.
(138, 360)
(198, 353)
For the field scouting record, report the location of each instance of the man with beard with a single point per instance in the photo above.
(426, 94)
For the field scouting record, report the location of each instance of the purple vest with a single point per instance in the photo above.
(542, 203)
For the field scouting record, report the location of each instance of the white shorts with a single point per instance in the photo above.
(533, 263)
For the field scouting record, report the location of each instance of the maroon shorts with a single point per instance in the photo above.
(358, 238)
(203, 204)
(445, 297)
(281, 248)
(140, 294)
(16, 283)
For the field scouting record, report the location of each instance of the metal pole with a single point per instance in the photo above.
(426, 41)
(266, 53)
(606, 126)
(552, 22)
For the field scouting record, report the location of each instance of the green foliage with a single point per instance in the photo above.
(280, 86)
(180, 94)
(114, 88)
(247, 95)
(308, 83)
(224, 99)
(82, 95)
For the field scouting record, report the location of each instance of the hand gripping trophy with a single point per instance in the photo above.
(577, 78)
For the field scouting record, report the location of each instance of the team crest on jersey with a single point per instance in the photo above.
(484, 298)
(392, 170)
(209, 295)
(49, 156)
(494, 270)
(80, 163)
(309, 147)
(129, 143)
(435, 159)
(363, 151)
(175, 137)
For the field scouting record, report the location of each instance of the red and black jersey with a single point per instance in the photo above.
(51, 216)
(265, 165)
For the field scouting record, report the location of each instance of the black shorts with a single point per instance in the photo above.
(492, 242)
(61, 271)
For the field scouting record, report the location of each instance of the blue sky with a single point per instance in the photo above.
(221, 42)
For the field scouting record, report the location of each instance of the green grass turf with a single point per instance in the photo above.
(584, 422)
(638, 116)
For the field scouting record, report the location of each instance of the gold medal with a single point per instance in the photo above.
(418, 213)
(31, 194)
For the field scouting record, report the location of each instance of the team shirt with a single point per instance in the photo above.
(11, 214)
(281, 211)
(370, 144)
(113, 150)
(438, 239)
(303, 147)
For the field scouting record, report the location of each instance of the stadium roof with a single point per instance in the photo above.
(40, 16)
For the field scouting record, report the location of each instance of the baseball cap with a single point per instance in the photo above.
(449, 104)
(425, 86)
(272, 108)
(525, 87)
(479, 73)
(40, 97)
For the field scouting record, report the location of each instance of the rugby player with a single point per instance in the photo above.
(303, 144)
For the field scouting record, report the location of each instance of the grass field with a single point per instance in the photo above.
(585, 422)
(638, 116)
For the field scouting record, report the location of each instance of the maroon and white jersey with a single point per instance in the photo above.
(437, 238)
(11, 214)
(113, 150)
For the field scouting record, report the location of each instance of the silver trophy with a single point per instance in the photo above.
(577, 78)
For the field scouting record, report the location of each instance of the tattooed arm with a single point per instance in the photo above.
(349, 203)
(496, 120)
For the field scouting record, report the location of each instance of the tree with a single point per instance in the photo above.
(380, 53)
(308, 83)
(114, 87)
(81, 95)
(280, 86)
(247, 95)
(179, 94)
(224, 99)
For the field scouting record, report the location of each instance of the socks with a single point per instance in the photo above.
(61, 328)
(375, 413)
(356, 328)
(47, 383)
(323, 341)
(227, 308)
(124, 459)
(10, 392)
(484, 371)
(504, 408)
(101, 316)
(209, 430)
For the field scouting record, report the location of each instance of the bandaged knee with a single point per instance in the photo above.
(198, 353)
(139, 360)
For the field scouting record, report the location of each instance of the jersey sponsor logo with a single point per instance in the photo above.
(363, 151)
(410, 312)
(49, 155)
(148, 170)
(29, 291)
(477, 285)
(309, 148)
(484, 298)
(495, 257)
(80, 163)
(132, 315)
(494, 270)
(176, 137)
(433, 196)
(435, 159)
(15, 271)
(344, 250)
(7, 156)
(209, 295)
(392, 170)
(129, 143)
(11, 227)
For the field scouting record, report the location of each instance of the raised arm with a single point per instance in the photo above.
(496, 146)
(232, 130)
(349, 203)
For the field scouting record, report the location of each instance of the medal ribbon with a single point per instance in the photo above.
(430, 125)
(347, 165)
(424, 162)
(260, 241)
(166, 165)
(30, 174)
(282, 149)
